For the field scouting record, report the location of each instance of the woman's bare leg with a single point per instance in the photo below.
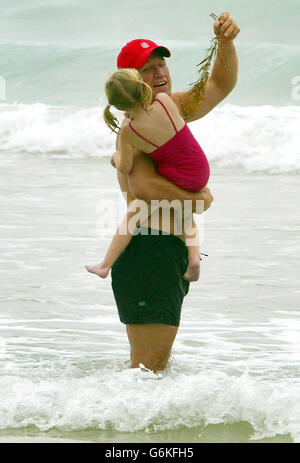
(151, 344)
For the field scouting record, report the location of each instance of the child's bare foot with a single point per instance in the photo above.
(193, 270)
(101, 270)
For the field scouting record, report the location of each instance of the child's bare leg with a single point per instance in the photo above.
(193, 270)
(191, 236)
(118, 244)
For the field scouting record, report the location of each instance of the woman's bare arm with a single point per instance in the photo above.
(147, 184)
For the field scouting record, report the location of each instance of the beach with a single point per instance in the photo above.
(65, 355)
(233, 375)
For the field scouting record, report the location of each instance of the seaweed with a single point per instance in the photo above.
(198, 89)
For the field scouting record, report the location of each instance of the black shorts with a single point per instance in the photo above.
(147, 278)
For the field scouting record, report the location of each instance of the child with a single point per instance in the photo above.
(177, 154)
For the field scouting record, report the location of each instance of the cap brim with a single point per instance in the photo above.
(142, 59)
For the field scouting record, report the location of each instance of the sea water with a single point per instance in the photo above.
(64, 356)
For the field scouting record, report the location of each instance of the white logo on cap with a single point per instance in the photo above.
(145, 45)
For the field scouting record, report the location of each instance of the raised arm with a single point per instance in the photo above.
(224, 74)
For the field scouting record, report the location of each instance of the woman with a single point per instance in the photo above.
(151, 312)
(151, 342)
(178, 156)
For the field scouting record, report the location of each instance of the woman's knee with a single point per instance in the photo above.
(152, 363)
(152, 358)
(151, 345)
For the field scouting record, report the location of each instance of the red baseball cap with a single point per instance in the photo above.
(136, 53)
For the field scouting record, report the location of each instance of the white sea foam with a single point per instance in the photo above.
(64, 356)
(135, 400)
(254, 139)
(40, 128)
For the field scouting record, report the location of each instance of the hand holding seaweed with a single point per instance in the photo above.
(226, 30)
(199, 86)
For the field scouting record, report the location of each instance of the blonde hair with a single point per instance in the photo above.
(125, 89)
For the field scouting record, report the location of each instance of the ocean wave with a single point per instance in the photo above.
(67, 73)
(43, 129)
(254, 139)
(131, 400)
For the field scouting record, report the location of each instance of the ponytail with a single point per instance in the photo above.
(147, 95)
(110, 120)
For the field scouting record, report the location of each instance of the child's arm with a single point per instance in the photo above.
(123, 158)
(115, 160)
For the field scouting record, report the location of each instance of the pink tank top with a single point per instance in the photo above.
(181, 159)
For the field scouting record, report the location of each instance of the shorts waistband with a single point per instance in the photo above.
(148, 231)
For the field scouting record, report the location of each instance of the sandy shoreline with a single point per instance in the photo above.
(219, 433)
